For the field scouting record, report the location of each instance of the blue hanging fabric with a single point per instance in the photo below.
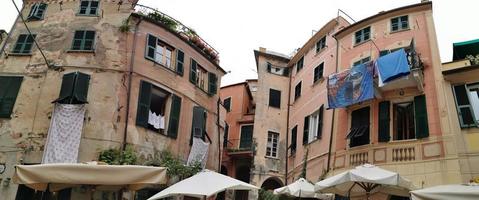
(351, 86)
(393, 66)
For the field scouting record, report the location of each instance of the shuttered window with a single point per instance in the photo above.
(180, 59)
(465, 108)
(318, 72)
(193, 72)
(227, 104)
(37, 11)
(297, 91)
(299, 64)
(9, 87)
(212, 83)
(24, 44)
(420, 112)
(383, 129)
(306, 130)
(400, 23)
(274, 98)
(83, 40)
(143, 104)
(74, 89)
(225, 136)
(359, 133)
(198, 128)
(294, 138)
(88, 7)
(246, 138)
(319, 133)
(174, 116)
(362, 35)
(321, 44)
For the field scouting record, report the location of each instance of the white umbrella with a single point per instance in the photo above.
(203, 184)
(302, 189)
(447, 192)
(365, 180)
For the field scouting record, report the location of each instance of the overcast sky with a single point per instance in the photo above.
(236, 28)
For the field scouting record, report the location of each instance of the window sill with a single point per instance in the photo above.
(320, 51)
(318, 82)
(271, 157)
(165, 67)
(398, 31)
(163, 132)
(87, 15)
(403, 141)
(274, 107)
(359, 44)
(80, 51)
(19, 54)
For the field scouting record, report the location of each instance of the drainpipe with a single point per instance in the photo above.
(130, 73)
(219, 133)
(287, 128)
(334, 110)
(10, 33)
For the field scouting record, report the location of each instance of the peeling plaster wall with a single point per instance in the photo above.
(22, 138)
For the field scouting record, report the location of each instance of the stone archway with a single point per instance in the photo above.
(272, 183)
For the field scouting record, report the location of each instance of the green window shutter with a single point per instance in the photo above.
(464, 107)
(41, 10)
(286, 72)
(420, 112)
(9, 88)
(66, 91)
(83, 40)
(294, 137)
(33, 10)
(320, 122)
(143, 104)
(246, 138)
(24, 44)
(150, 47)
(384, 119)
(306, 130)
(37, 11)
(268, 66)
(80, 91)
(198, 123)
(180, 59)
(193, 71)
(174, 116)
(212, 83)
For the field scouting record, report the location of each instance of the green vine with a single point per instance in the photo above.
(168, 22)
(125, 25)
(268, 195)
(175, 166)
(118, 157)
(474, 59)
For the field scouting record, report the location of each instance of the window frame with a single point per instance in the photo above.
(361, 35)
(394, 120)
(297, 93)
(362, 61)
(88, 8)
(33, 15)
(321, 44)
(228, 109)
(319, 76)
(368, 132)
(83, 40)
(271, 101)
(271, 146)
(400, 23)
(300, 64)
(294, 137)
(241, 133)
(174, 61)
(3, 94)
(23, 44)
(469, 106)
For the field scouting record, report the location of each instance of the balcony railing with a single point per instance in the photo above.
(239, 145)
(186, 33)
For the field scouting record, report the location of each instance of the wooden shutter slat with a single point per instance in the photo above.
(143, 109)
(9, 93)
(420, 111)
(384, 119)
(198, 123)
(66, 90)
(294, 138)
(193, 71)
(212, 83)
(306, 130)
(80, 92)
(150, 47)
(180, 58)
(320, 122)
(174, 116)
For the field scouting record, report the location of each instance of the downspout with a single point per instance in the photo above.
(219, 133)
(287, 128)
(130, 73)
(334, 110)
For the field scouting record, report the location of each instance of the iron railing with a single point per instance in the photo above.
(235, 145)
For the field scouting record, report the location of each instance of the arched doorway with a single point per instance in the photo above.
(272, 183)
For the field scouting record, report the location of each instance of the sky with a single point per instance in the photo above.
(236, 28)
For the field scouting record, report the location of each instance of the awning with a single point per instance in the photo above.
(447, 192)
(60, 176)
(302, 189)
(462, 49)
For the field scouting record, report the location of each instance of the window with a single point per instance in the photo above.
(294, 138)
(403, 125)
(74, 89)
(399, 23)
(89, 8)
(467, 103)
(321, 44)
(24, 44)
(212, 83)
(199, 77)
(274, 98)
(362, 61)
(386, 52)
(299, 64)
(318, 72)
(359, 134)
(272, 144)
(313, 125)
(83, 40)
(225, 136)
(152, 109)
(37, 11)
(282, 71)
(297, 91)
(362, 35)
(246, 138)
(180, 60)
(198, 128)
(9, 87)
(227, 104)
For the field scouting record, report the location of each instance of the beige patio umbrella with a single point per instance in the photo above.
(55, 177)
(447, 192)
(302, 188)
(365, 180)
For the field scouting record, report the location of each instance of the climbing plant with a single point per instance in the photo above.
(474, 59)
(175, 166)
(118, 157)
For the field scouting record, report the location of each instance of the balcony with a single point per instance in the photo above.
(460, 71)
(414, 79)
(240, 147)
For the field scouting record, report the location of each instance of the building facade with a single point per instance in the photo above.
(122, 64)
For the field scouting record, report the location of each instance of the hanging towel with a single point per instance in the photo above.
(393, 66)
(64, 134)
(198, 152)
(161, 123)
